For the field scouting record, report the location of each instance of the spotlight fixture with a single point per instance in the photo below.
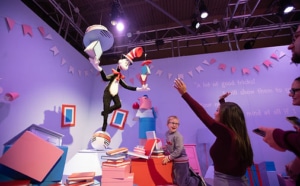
(115, 13)
(203, 10)
(117, 17)
(195, 24)
(120, 26)
(285, 7)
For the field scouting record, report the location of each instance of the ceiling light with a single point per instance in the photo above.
(203, 10)
(120, 26)
(285, 7)
(195, 24)
(115, 13)
(113, 22)
(288, 9)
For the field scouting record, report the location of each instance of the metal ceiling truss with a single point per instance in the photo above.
(179, 36)
(69, 21)
(236, 26)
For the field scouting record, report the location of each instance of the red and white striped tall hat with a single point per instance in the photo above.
(136, 52)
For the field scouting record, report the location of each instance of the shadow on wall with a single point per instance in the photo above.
(204, 140)
(130, 134)
(4, 110)
(52, 121)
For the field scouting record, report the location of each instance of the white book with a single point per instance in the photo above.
(115, 157)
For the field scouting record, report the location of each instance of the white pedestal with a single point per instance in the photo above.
(85, 161)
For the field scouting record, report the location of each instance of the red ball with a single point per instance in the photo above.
(135, 105)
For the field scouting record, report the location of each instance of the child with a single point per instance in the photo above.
(174, 151)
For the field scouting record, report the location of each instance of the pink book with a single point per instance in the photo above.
(117, 181)
(115, 163)
(81, 176)
(31, 156)
(115, 172)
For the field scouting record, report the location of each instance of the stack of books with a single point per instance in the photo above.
(148, 149)
(115, 160)
(81, 179)
(139, 150)
(157, 154)
(116, 169)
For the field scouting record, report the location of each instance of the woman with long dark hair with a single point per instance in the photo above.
(232, 151)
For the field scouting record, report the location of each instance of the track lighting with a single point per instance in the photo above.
(285, 7)
(117, 15)
(195, 24)
(203, 10)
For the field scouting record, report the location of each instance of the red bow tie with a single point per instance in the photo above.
(119, 75)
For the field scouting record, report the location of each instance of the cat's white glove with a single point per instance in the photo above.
(143, 88)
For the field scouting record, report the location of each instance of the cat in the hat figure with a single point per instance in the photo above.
(115, 79)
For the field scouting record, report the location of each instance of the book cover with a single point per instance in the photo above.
(35, 151)
(81, 176)
(137, 155)
(123, 168)
(81, 183)
(115, 157)
(117, 151)
(115, 161)
(149, 146)
(115, 164)
(115, 172)
(118, 181)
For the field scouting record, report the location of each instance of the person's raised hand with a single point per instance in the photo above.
(180, 86)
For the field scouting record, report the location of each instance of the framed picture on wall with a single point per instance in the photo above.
(119, 118)
(68, 115)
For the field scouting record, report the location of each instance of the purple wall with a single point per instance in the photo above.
(28, 67)
(262, 94)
